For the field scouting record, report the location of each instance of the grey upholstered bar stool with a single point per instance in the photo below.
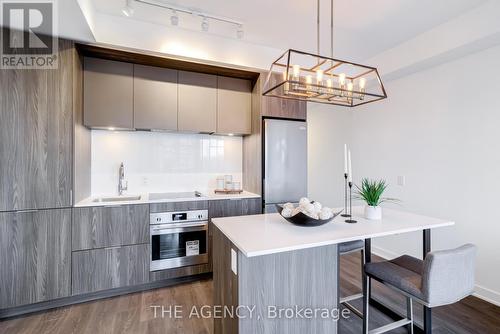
(443, 278)
(346, 248)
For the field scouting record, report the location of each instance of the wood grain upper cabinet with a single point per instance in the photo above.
(278, 107)
(108, 93)
(197, 102)
(234, 106)
(36, 109)
(155, 98)
(35, 250)
(284, 108)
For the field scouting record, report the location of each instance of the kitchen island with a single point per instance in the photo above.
(284, 278)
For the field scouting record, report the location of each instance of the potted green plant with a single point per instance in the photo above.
(371, 193)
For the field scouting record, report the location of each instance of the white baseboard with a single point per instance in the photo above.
(383, 253)
(487, 295)
(483, 293)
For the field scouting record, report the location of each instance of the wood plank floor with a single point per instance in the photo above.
(133, 313)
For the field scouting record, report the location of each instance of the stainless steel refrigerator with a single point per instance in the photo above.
(285, 162)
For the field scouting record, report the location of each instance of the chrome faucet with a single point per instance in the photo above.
(122, 184)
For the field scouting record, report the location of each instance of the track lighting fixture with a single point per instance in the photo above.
(176, 11)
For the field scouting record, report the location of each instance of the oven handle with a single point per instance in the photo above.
(176, 228)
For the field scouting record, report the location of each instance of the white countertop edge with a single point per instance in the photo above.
(326, 243)
(145, 199)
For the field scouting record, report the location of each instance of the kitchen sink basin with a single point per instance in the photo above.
(117, 199)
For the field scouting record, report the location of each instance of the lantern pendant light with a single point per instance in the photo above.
(311, 77)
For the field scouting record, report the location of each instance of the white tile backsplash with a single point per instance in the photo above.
(162, 161)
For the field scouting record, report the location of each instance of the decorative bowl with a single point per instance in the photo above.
(302, 219)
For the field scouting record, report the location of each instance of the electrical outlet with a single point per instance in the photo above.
(145, 181)
(401, 180)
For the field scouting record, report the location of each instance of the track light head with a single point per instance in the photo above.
(128, 10)
(240, 33)
(174, 19)
(204, 24)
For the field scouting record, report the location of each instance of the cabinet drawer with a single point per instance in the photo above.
(178, 206)
(108, 268)
(179, 272)
(99, 227)
(235, 207)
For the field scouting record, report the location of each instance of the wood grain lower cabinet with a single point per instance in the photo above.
(35, 256)
(234, 207)
(230, 208)
(108, 93)
(234, 106)
(108, 268)
(197, 102)
(155, 98)
(99, 227)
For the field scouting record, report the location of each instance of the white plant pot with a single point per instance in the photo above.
(373, 212)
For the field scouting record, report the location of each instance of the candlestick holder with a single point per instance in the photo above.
(350, 221)
(346, 213)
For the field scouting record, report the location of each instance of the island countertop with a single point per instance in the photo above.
(264, 234)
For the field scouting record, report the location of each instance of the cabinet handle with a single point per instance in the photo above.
(110, 248)
(27, 211)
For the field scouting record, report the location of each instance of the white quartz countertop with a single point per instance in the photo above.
(270, 233)
(144, 199)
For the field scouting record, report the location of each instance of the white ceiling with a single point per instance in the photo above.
(363, 28)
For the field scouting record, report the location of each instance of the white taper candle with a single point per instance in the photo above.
(349, 165)
(345, 158)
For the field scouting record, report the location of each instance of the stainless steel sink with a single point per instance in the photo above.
(117, 199)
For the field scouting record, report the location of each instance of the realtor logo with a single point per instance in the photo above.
(28, 32)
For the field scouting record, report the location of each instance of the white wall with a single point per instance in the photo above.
(329, 128)
(181, 42)
(439, 129)
(162, 162)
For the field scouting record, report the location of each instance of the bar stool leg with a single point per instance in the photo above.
(363, 261)
(366, 303)
(409, 314)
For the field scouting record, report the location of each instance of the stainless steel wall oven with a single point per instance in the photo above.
(178, 239)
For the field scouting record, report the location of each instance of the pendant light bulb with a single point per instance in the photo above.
(362, 83)
(342, 79)
(319, 76)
